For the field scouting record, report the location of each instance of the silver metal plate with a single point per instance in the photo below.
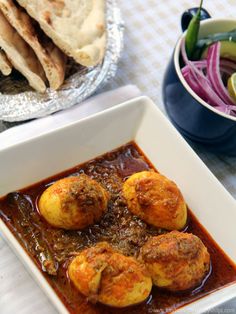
(18, 102)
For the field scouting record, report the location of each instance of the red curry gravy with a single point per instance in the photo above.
(52, 249)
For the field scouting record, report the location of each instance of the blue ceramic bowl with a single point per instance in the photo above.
(194, 118)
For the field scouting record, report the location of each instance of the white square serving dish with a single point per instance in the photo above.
(139, 120)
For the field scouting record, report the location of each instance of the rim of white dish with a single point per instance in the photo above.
(185, 84)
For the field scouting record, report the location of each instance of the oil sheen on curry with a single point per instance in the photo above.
(113, 235)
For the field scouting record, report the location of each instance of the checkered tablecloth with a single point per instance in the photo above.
(152, 28)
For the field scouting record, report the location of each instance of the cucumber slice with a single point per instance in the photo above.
(227, 50)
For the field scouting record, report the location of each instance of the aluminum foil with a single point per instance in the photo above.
(18, 102)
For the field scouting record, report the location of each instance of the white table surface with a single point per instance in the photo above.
(152, 28)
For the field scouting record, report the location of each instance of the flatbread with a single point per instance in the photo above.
(21, 55)
(51, 58)
(77, 27)
(5, 64)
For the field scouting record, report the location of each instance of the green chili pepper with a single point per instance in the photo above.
(192, 32)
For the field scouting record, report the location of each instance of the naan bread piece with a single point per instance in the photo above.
(5, 64)
(52, 59)
(77, 27)
(21, 55)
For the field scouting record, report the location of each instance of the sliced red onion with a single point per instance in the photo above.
(226, 66)
(226, 70)
(199, 64)
(210, 94)
(191, 64)
(192, 83)
(213, 73)
(209, 85)
(228, 63)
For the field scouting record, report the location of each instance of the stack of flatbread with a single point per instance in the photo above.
(38, 36)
